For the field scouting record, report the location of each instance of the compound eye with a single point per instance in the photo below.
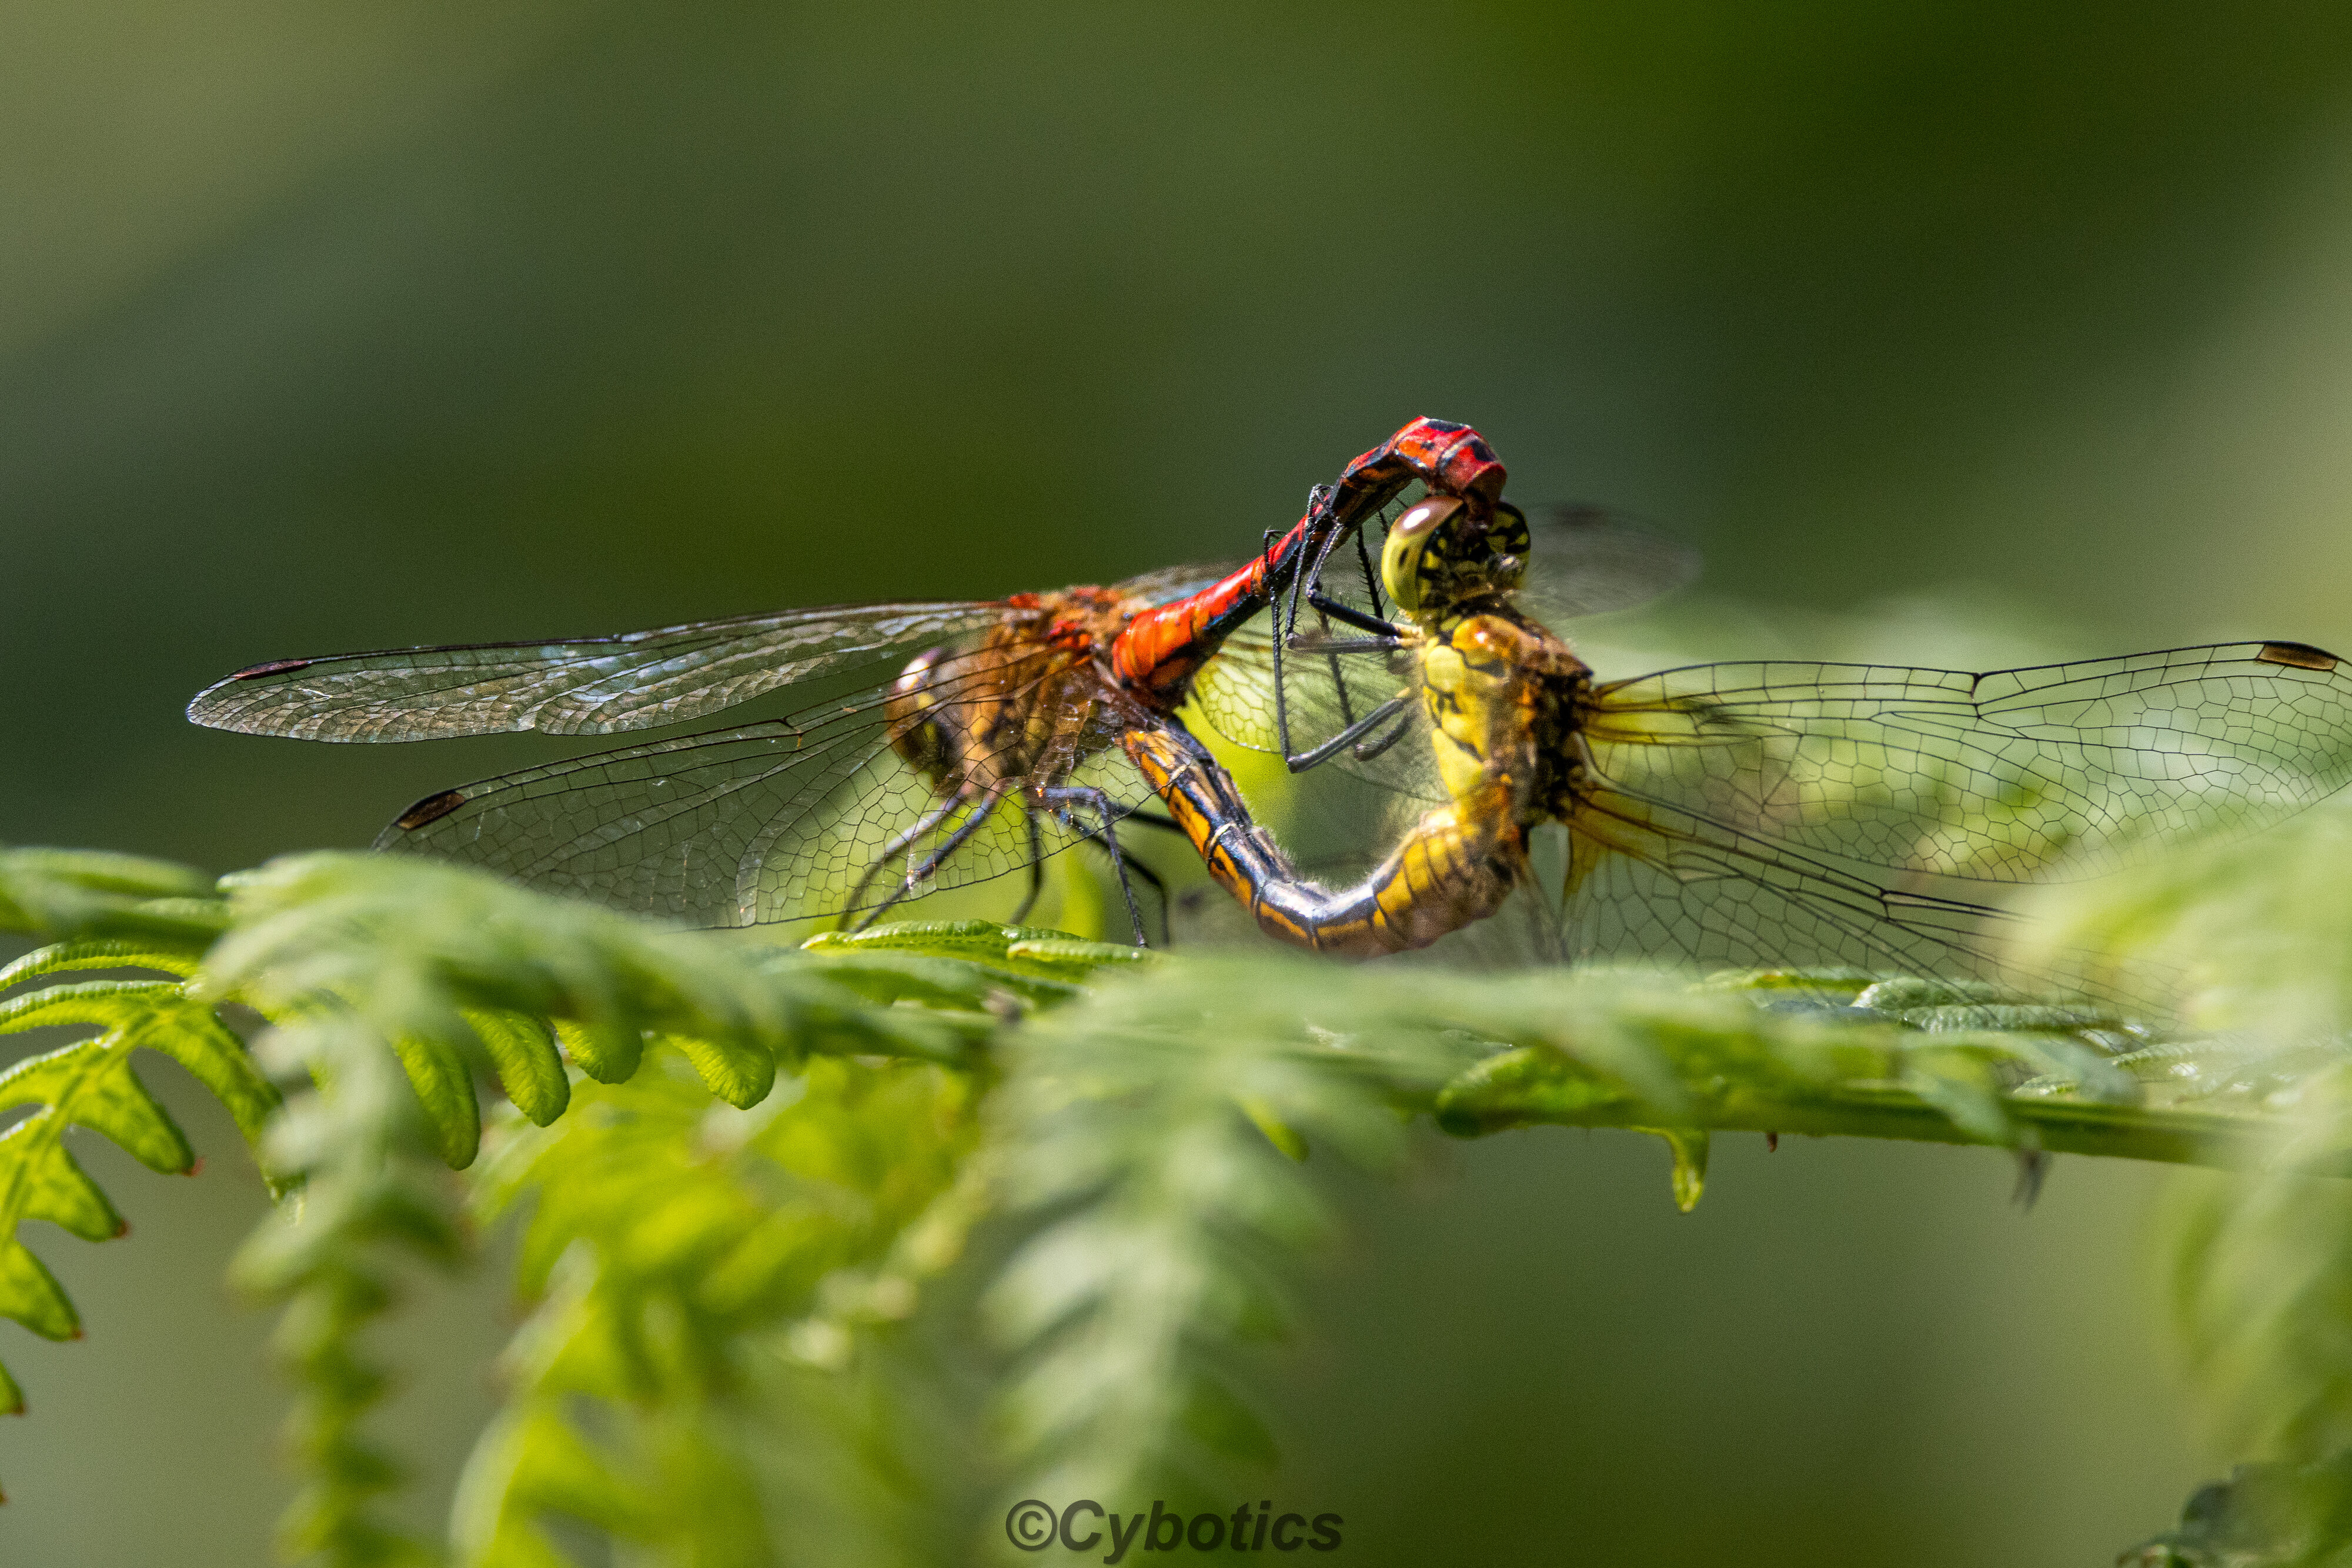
(1510, 541)
(1409, 561)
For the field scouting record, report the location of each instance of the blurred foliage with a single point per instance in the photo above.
(2264, 1516)
(740, 1174)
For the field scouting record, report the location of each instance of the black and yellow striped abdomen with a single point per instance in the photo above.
(1494, 686)
(1448, 871)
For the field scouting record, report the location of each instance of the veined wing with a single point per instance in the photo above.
(1591, 561)
(1652, 882)
(1994, 777)
(799, 819)
(588, 685)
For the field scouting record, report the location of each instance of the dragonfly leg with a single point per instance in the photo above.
(1036, 869)
(1356, 732)
(898, 846)
(1350, 615)
(1368, 749)
(917, 875)
(1152, 878)
(1328, 646)
(1068, 796)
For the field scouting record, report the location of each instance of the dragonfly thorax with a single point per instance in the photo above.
(1500, 691)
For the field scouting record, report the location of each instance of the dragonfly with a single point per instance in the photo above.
(1733, 815)
(935, 745)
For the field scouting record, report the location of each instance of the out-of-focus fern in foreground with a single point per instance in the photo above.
(744, 1175)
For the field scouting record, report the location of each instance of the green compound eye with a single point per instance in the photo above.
(1414, 557)
(1428, 560)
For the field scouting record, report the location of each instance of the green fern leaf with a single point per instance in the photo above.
(83, 892)
(48, 1184)
(31, 1294)
(91, 1084)
(444, 1082)
(529, 1067)
(609, 1053)
(674, 1248)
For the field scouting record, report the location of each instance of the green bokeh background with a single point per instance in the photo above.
(329, 328)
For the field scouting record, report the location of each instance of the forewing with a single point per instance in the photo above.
(592, 686)
(1994, 777)
(795, 819)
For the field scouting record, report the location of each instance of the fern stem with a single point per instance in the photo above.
(2169, 1135)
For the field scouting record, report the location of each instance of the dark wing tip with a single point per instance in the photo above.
(431, 809)
(274, 667)
(2298, 655)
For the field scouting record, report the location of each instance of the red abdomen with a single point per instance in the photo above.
(1159, 650)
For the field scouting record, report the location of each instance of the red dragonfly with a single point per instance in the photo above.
(990, 747)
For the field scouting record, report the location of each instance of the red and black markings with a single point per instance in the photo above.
(1161, 649)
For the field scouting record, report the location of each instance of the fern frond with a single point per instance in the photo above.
(56, 893)
(1137, 1126)
(1152, 1132)
(368, 1160)
(425, 950)
(690, 1261)
(90, 1083)
(741, 1166)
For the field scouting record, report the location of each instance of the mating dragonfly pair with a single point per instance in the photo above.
(1758, 814)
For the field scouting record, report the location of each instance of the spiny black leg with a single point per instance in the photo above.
(1167, 931)
(923, 824)
(917, 875)
(1368, 749)
(1352, 616)
(1371, 577)
(1332, 647)
(1037, 868)
(1145, 818)
(1081, 795)
(1355, 732)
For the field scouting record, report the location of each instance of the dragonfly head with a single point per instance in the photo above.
(1437, 554)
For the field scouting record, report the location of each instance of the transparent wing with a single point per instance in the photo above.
(589, 685)
(799, 819)
(1653, 881)
(1993, 777)
(1650, 881)
(1591, 561)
